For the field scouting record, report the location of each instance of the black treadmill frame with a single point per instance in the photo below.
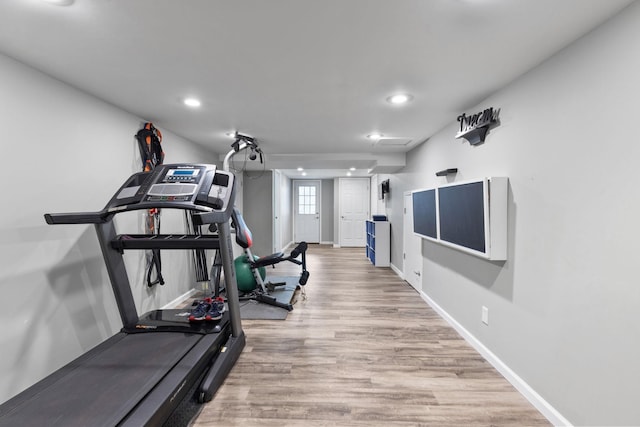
(211, 353)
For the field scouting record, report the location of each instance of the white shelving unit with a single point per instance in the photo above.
(379, 243)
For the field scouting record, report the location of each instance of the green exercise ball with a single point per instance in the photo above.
(244, 276)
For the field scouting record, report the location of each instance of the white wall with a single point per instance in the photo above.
(65, 151)
(564, 308)
(258, 210)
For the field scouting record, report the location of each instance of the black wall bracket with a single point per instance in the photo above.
(446, 172)
(475, 136)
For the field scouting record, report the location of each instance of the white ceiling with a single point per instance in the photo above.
(308, 79)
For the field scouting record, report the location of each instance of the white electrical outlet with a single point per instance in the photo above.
(485, 315)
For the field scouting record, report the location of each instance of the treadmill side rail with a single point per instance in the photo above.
(221, 368)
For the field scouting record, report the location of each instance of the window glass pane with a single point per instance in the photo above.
(307, 200)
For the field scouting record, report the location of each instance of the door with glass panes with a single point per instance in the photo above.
(307, 211)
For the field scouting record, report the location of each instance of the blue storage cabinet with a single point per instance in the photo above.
(378, 247)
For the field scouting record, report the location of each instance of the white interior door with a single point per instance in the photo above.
(354, 211)
(412, 247)
(307, 211)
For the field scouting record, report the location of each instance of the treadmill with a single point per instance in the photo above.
(159, 363)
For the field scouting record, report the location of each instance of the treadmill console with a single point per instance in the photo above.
(174, 184)
(187, 186)
(196, 187)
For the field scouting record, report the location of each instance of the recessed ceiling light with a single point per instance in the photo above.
(192, 102)
(348, 173)
(60, 2)
(304, 174)
(352, 169)
(300, 169)
(400, 98)
(375, 136)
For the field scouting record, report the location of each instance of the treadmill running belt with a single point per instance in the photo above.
(103, 388)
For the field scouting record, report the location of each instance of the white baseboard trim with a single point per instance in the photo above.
(335, 245)
(327, 243)
(525, 389)
(399, 272)
(287, 246)
(180, 299)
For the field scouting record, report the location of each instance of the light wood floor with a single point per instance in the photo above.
(363, 350)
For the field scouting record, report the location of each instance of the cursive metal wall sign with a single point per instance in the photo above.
(474, 128)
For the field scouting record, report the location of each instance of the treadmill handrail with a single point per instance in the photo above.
(99, 217)
(203, 214)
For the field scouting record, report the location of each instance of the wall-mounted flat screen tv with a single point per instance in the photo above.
(468, 216)
(462, 215)
(383, 188)
(425, 213)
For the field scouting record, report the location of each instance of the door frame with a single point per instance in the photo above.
(294, 206)
(277, 211)
(408, 238)
(340, 207)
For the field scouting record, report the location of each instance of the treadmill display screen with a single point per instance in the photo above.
(183, 172)
(182, 175)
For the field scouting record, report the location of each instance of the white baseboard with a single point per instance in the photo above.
(525, 389)
(399, 272)
(180, 299)
(286, 247)
(327, 243)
